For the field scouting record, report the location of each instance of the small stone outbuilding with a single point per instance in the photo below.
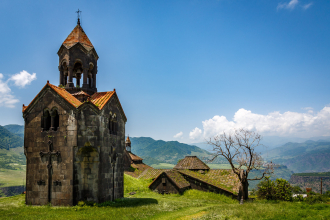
(192, 173)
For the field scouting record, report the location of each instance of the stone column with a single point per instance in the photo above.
(61, 75)
(52, 123)
(78, 81)
(70, 73)
(85, 75)
(94, 80)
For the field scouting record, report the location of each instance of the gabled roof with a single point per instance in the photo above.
(178, 179)
(134, 157)
(62, 92)
(151, 173)
(175, 177)
(101, 98)
(191, 163)
(98, 99)
(78, 35)
(223, 179)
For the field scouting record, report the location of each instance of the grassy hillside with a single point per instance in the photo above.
(310, 156)
(149, 205)
(16, 129)
(9, 140)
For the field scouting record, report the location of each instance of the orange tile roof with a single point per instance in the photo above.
(78, 35)
(62, 92)
(128, 140)
(101, 98)
(98, 99)
(66, 95)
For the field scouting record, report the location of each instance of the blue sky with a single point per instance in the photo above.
(183, 70)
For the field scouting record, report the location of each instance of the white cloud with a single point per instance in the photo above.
(6, 98)
(23, 78)
(195, 134)
(289, 5)
(309, 110)
(305, 7)
(296, 124)
(178, 135)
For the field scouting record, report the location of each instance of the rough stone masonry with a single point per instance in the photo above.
(74, 136)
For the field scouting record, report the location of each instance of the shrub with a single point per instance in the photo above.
(315, 198)
(283, 190)
(266, 189)
(279, 189)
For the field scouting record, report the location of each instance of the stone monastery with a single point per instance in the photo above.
(74, 141)
(74, 138)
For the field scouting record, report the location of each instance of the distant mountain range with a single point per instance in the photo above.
(159, 151)
(9, 140)
(271, 142)
(16, 129)
(310, 156)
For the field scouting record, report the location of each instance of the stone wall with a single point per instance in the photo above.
(36, 140)
(94, 175)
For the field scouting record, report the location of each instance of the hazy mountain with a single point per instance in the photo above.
(164, 151)
(9, 140)
(271, 142)
(310, 156)
(16, 129)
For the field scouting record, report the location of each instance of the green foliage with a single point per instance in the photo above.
(297, 190)
(282, 190)
(279, 189)
(9, 140)
(280, 172)
(316, 198)
(15, 129)
(135, 185)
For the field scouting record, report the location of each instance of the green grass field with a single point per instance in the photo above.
(12, 177)
(149, 205)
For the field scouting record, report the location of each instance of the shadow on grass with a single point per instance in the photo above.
(124, 202)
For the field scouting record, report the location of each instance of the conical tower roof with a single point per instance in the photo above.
(128, 141)
(78, 35)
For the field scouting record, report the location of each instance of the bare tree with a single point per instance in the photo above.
(239, 150)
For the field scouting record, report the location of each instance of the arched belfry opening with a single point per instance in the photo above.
(78, 63)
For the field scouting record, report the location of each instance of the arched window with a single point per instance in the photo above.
(55, 120)
(46, 120)
(113, 125)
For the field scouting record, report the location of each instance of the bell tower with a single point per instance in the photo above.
(78, 60)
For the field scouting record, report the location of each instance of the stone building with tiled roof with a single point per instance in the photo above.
(133, 164)
(192, 173)
(74, 137)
